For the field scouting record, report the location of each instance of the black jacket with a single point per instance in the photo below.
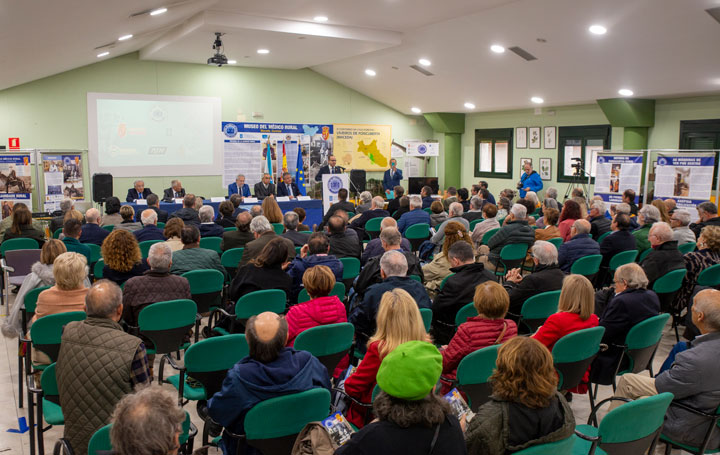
(615, 243)
(697, 227)
(235, 239)
(368, 215)
(133, 194)
(91, 233)
(161, 214)
(29, 232)
(345, 244)
(472, 216)
(545, 278)
(250, 279)
(661, 260)
(261, 192)
(188, 215)
(598, 226)
(393, 205)
(225, 222)
(296, 237)
(282, 189)
(169, 194)
(326, 170)
(370, 274)
(211, 230)
(342, 205)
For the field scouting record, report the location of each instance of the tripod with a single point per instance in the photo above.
(579, 180)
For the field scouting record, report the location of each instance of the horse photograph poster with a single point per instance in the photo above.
(62, 176)
(15, 181)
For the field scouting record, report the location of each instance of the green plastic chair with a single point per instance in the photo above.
(557, 241)
(501, 221)
(350, 215)
(272, 425)
(56, 234)
(98, 269)
(230, 260)
(230, 229)
(166, 324)
(18, 244)
(670, 282)
(428, 210)
(46, 333)
(27, 313)
(572, 356)
(666, 287)
(688, 247)
(416, 278)
(161, 225)
(351, 268)
(643, 255)
(467, 311)
(329, 343)
(563, 447)
(442, 283)
(587, 266)
(108, 227)
(249, 305)
(417, 234)
(488, 235)
(475, 223)
(640, 345)
(710, 276)
(278, 228)
(511, 256)
(95, 252)
(622, 258)
(145, 247)
(306, 232)
(632, 428)
(603, 237)
(473, 374)
(537, 309)
(211, 243)
(372, 227)
(712, 423)
(426, 314)
(47, 406)
(337, 290)
(206, 287)
(297, 250)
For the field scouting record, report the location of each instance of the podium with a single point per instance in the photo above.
(331, 184)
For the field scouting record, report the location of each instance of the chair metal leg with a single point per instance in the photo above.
(31, 421)
(40, 431)
(668, 448)
(21, 376)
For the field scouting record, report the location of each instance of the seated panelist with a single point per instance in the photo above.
(176, 191)
(287, 187)
(138, 191)
(264, 188)
(239, 187)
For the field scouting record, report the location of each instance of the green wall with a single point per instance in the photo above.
(51, 113)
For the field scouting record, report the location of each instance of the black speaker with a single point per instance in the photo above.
(102, 187)
(357, 180)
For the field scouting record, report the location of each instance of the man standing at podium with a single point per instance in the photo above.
(176, 191)
(392, 178)
(330, 168)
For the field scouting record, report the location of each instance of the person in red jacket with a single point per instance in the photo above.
(489, 327)
(398, 321)
(322, 309)
(575, 312)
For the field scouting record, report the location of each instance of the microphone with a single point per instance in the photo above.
(340, 167)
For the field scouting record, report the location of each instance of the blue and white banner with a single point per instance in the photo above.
(687, 178)
(616, 173)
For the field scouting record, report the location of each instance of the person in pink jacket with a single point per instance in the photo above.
(489, 327)
(322, 309)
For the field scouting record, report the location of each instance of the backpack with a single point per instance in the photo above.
(313, 440)
(426, 250)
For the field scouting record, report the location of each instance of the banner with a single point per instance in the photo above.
(331, 184)
(62, 177)
(687, 178)
(15, 182)
(617, 173)
(363, 146)
(422, 149)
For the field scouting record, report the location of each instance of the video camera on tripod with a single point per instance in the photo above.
(578, 165)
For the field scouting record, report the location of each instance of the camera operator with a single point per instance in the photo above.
(529, 181)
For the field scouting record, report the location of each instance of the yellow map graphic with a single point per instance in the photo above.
(372, 153)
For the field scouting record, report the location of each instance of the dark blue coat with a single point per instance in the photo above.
(577, 247)
(615, 243)
(133, 194)
(300, 265)
(211, 230)
(282, 189)
(149, 232)
(416, 216)
(92, 233)
(389, 183)
(427, 202)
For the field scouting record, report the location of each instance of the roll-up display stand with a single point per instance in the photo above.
(617, 171)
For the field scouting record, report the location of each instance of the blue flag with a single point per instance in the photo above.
(300, 173)
(269, 161)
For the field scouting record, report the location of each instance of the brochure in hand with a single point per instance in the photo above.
(459, 407)
(338, 428)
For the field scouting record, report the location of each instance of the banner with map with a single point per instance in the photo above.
(365, 147)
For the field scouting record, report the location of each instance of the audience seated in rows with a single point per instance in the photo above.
(570, 212)
(679, 221)
(439, 268)
(489, 212)
(550, 221)
(529, 208)
(474, 211)
(620, 240)
(265, 271)
(662, 210)
(153, 203)
(547, 203)
(344, 242)
(341, 204)
(664, 256)
(71, 238)
(450, 197)
(416, 215)
(426, 195)
(187, 213)
(438, 215)
(455, 214)
(302, 215)
(22, 225)
(150, 231)
(374, 247)
(375, 211)
(225, 217)
(68, 294)
(192, 257)
(647, 216)
(263, 233)
(172, 232)
(515, 230)
(599, 225)
(708, 214)
(112, 212)
(128, 220)
(394, 203)
(464, 199)
(91, 230)
(670, 205)
(239, 237)
(707, 255)
(122, 257)
(270, 370)
(577, 246)
(290, 221)
(271, 210)
(208, 227)
(546, 277)
(365, 202)
(98, 364)
(58, 221)
(315, 252)
(503, 204)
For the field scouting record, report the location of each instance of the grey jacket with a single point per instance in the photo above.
(692, 378)
(683, 235)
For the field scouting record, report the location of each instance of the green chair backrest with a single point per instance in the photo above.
(211, 243)
(634, 420)
(95, 252)
(46, 332)
(337, 290)
(216, 353)
(710, 276)
(602, 237)
(562, 447)
(145, 247)
(100, 441)
(328, 339)
(578, 345)
(257, 302)
(231, 258)
(670, 282)
(48, 381)
(416, 278)
(467, 311)
(160, 225)
(229, 229)
(351, 267)
(442, 283)
(501, 220)
(417, 231)
(205, 281)
(540, 306)
(587, 266)
(476, 367)
(98, 269)
(18, 244)
(426, 314)
(306, 232)
(286, 415)
(488, 235)
(168, 314)
(557, 241)
(475, 223)
(56, 234)
(428, 210)
(622, 258)
(350, 215)
(643, 255)
(373, 224)
(513, 251)
(687, 247)
(646, 333)
(31, 297)
(297, 250)
(108, 227)
(278, 228)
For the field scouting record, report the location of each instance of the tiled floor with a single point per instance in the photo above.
(12, 443)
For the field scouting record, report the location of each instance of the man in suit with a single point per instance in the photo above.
(287, 187)
(176, 191)
(291, 221)
(91, 230)
(265, 188)
(263, 232)
(330, 168)
(392, 177)
(154, 203)
(239, 187)
(138, 191)
(341, 204)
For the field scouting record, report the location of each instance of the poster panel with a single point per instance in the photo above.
(422, 149)
(331, 184)
(53, 182)
(365, 147)
(687, 178)
(15, 182)
(617, 173)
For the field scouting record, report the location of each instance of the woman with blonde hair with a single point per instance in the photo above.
(68, 293)
(398, 321)
(525, 408)
(271, 210)
(121, 253)
(73, 214)
(662, 208)
(439, 268)
(173, 229)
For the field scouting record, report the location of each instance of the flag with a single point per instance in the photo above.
(269, 161)
(300, 174)
(284, 162)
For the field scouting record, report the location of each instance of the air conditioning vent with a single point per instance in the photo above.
(522, 53)
(421, 70)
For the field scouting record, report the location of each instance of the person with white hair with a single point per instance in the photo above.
(263, 232)
(546, 276)
(416, 215)
(150, 231)
(647, 216)
(708, 214)
(208, 227)
(374, 247)
(664, 256)
(138, 191)
(599, 225)
(91, 230)
(532, 197)
(365, 202)
(547, 203)
(475, 213)
(176, 191)
(551, 193)
(455, 213)
(56, 222)
(578, 246)
(679, 221)
(515, 230)
(624, 208)
(376, 211)
(291, 221)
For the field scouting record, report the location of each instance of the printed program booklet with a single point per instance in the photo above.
(338, 428)
(459, 406)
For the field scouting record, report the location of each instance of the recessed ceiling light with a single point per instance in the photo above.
(537, 100)
(320, 18)
(469, 105)
(416, 110)
(263, 51)
(597, 29)
(124, 37)
(370, 72)
(158, 11)
(232, 62)
(424, 62)
(498, 49)
(103, 54)
(625, 92)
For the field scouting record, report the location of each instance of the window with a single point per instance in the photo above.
(493, 153)
(701, 135)
(583, 142)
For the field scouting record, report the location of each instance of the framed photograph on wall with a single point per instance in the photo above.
(534, 139)
(545, 170)
(523, 161)
(549, 134)
(521, 138)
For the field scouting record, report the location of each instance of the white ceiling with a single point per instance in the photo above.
(657, 48)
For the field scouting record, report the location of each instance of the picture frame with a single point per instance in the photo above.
(534, 138)
(545, 169)
(525, 160)
(521, 138)
(549, 136)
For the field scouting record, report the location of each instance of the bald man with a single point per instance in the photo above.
(91, 230)
(579, 245)
(375, 248)
(664, 256)
(149, 231)
(270, 370)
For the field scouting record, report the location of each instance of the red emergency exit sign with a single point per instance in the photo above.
(14, 143)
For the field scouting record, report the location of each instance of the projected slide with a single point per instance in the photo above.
(133, 135)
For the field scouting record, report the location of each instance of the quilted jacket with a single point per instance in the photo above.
(156, 285)
(513, 232)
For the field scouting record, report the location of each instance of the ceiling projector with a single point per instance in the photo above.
(219, 58)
